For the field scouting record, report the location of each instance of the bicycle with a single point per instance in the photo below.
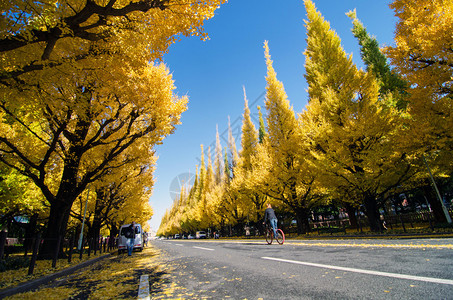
(269, 235)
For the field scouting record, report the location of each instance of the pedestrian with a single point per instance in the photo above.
(247, 230)
(384, 224)
(269, 216)
(145, 238)
(130, 235)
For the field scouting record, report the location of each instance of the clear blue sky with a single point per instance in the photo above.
(212, 73)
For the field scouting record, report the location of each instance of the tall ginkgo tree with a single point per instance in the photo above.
(72, 141)
(251, 200)
(281, 172)
(423, 55)
(78, 81)
(353, 135)
(118, 196)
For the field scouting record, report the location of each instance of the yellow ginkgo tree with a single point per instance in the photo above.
(423, 55)
(352, 133)
(250, 198)
(38, 35)
(78, 82)
(281, 172)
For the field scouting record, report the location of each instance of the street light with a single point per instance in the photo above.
(447, 215)
(83, 222)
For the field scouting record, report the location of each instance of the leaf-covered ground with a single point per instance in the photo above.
(42, 268)
(116, 277)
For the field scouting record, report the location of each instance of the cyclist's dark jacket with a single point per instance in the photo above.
(269, 214)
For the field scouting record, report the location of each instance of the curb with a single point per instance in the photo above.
(34, 284)
(143, 288)
(353, 236)
(378, 236)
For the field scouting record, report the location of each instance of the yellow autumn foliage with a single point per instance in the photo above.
(423, 55)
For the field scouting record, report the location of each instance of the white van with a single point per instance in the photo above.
(200, 235)
(122, 240)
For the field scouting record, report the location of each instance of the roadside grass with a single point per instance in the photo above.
(116, 277)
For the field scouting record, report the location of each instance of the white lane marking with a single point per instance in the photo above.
(143, 288)
(179, 245)
(202, 248)
(370, 272)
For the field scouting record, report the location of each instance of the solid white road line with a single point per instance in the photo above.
(377, 273)
(143, 288)
(202, 248)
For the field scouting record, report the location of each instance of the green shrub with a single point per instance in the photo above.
(14, 263)
(443, 225)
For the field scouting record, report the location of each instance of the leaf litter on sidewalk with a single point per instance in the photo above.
(116, 277)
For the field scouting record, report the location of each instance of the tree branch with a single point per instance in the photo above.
(73, 22)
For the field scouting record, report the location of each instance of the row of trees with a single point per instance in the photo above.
(363, 137)
(83, 101)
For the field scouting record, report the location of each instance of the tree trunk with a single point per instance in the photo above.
(113, 233)
(303, 226)
(352, 216)
(259, 201)
(96, 231)
(69, 189)
(56, 226)
(30, 233)
(372, 213)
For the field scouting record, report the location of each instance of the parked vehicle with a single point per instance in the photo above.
(177, 236)
(122, 240)
(200, 235)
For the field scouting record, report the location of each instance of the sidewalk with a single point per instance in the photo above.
(106, 277)
(397, 232)
(34, 284)
(378, 236)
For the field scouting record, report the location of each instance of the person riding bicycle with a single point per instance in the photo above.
(269, 215)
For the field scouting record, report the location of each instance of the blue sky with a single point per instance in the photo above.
(213, 73)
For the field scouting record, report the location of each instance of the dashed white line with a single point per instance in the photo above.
(179, 245)
(202, 248)
(370, 272)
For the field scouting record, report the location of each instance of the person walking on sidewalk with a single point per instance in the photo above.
(130, 235)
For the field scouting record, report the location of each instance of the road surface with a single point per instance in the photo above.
(315, 269)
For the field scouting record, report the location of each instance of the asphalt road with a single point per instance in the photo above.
(332, 269)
